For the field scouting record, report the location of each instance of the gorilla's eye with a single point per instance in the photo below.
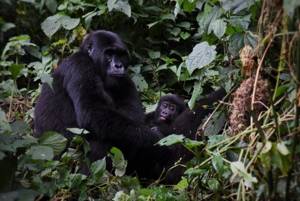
(172, 107)
(108, 58)
(165, 105)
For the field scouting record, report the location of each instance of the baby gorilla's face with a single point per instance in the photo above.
(167, 111)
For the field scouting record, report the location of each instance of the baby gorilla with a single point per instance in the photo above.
(168, 109)
(172, 116)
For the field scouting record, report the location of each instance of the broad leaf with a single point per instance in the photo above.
(202, 55)
(78, 131)
(118, 160)
(197, 91)
(207, 17)
(51, 5)
(69, 23)
(171, 139)
(240, 21)
(281, 147)
(51, 25)
(238, 168)
(218, 27)
(140, 82)
(54, 140)
(236, 5)
(290, 6)
(98, 168)
(119, 5)
(41, 152)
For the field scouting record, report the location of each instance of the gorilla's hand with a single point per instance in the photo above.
(156, 130)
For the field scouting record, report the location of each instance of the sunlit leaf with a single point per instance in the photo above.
(69, 23)
(236, 5)
(119, 5)
(98, 168)
(197, 91)
(171, 139)
(207, 17)
(51, 25)
(51, 5)
(213, 184)
(39, 152)
(267, 147)
(119, 162)
(218, 27)
(54, 140)
(281, 147)
(140, 82)
(182, 185)
(238, 168)
(192, 143)
(78, 131)
(202, 55)
(290, 6)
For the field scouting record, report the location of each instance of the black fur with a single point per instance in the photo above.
(91, 90)
(185, 122)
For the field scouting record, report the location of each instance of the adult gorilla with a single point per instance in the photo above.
(91, 90)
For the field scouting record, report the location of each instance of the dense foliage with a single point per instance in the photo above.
(187, 47)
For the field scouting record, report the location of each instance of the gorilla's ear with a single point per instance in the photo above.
(86, 44)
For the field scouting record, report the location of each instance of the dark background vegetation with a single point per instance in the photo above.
(187, 47)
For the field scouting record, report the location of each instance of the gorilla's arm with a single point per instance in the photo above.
(189, 120)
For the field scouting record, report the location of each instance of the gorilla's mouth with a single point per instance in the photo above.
(163, 118)
(117, 75)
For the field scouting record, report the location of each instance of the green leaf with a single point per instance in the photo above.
(69, 23)
(140, 82)
(195, 171)
(154, 54)
(182, 185)
(54, 140)
(78, 131)
(239, 40)
(47, 78)
(7, 26)
(240, 21)
(236, 5)
(202, 55)
(267, 147)
(51, 5)
(218, 27)
(51, 25)
(171, 139)
(121, 196)
(4, 125)
(192, 143)
(207, 17)
(215, 124)
(20, 195)
(185, 35)
(119, 5)
(76, 180)
(217, 162)
(119, 163)
(39, 152)
(98, 168)
(215, 139)
(197, 90)
(238, 168)
(290, 6)
(281, 147)
(213, 184)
